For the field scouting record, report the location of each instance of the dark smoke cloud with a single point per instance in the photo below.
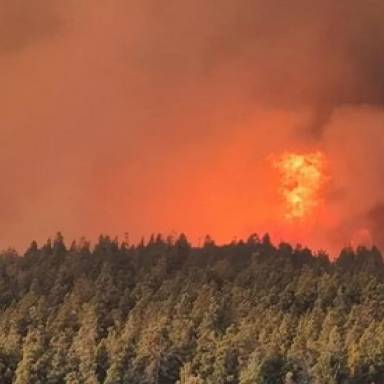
(325, 53)
(322, 54)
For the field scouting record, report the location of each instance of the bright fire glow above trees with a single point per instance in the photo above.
(302, 180)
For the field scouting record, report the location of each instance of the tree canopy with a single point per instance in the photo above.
(164, 312)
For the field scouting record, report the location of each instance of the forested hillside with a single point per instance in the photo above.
(165, 312)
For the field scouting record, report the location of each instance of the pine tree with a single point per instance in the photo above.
(29, 370)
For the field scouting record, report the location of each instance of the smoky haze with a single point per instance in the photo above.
(144, 116)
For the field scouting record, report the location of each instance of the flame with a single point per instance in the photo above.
(302, 178)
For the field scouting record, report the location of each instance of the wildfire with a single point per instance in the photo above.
(302, 176)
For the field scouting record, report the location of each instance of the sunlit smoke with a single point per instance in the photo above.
(362, 237)
(302, 179)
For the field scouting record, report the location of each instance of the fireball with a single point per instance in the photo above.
(302, 180)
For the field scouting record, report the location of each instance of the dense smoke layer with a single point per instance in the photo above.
(140, 116)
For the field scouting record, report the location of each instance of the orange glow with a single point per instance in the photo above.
(302, 179)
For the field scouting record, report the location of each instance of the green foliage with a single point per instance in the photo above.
(165, 312)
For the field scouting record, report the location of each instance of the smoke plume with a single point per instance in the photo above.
(140, 116)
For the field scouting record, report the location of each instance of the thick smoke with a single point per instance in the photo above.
(375, 219)
(142, 116)
(24, 22)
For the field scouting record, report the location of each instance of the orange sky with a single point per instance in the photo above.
(141, 116)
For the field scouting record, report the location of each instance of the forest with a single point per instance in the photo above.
(166, 312)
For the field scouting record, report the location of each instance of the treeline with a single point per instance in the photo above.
(164, 312)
